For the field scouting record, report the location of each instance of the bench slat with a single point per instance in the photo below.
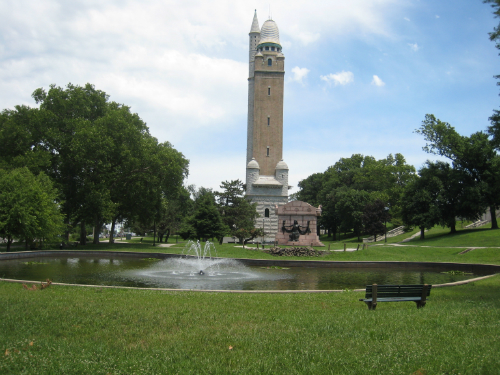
(396, 299)
(396, 293)
(396, 290)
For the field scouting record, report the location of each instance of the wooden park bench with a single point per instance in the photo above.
(396, 293)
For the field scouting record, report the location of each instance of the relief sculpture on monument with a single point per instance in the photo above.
(303, 231)
(295, 230)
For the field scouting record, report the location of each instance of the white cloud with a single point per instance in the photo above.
(406, 19)
(437, 16)
(414, 47)
(333, 19)
(342, 78)
(377, 81)
(299, 74)
(307, 37)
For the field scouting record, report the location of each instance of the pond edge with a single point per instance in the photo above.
(466, 267)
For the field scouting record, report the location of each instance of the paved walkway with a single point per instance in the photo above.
(117, 240)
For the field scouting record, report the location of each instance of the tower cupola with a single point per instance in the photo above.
(269, 35)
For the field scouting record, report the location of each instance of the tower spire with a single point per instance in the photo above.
(255, 24)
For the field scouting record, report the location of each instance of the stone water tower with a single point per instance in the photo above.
(266, 172)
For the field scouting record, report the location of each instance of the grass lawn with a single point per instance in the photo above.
(63, 330)
(484, 237)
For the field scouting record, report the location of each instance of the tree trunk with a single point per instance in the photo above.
(154, 233)
(493, 213)
(112, 233)
(83, 233)
(422, 230)
(453, 227)
(9, 242)
(167, 235)
(97, 231)
(66, 232)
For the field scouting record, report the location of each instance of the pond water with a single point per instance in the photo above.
(224, 274)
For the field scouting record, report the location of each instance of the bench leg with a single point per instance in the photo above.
(420, 304)
(371, 305)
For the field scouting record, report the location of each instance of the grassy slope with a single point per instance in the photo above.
(100, 331)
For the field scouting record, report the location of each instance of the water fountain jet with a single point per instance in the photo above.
(197, 260)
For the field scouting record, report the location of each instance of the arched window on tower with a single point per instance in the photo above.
(269, 62)
(266, 212)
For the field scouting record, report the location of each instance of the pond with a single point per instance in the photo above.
(217, 274)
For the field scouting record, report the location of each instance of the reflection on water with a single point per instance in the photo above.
(226, 275)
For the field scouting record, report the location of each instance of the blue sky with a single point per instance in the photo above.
(360, 74)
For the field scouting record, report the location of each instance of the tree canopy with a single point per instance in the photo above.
(98, 153)
(206, 221)
(345, 188)
(237, 213)
(473, 157)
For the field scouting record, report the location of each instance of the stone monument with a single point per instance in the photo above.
(298, 223)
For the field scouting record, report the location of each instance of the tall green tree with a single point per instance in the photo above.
(99, 154)
(349, 204)
(383, 179)
(236, 211)
(375, 216)
(420, 206)
(458, 197)
(206, 221)
(310, 189)
(494, 129)
(474, 156)
(495, 34)
(28, 207)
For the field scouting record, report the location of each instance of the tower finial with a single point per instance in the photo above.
(255, 24)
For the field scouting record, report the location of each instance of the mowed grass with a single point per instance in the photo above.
(469, 237)
(63, 329)
(69, 330)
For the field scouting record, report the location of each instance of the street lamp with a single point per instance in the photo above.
(386, 209)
